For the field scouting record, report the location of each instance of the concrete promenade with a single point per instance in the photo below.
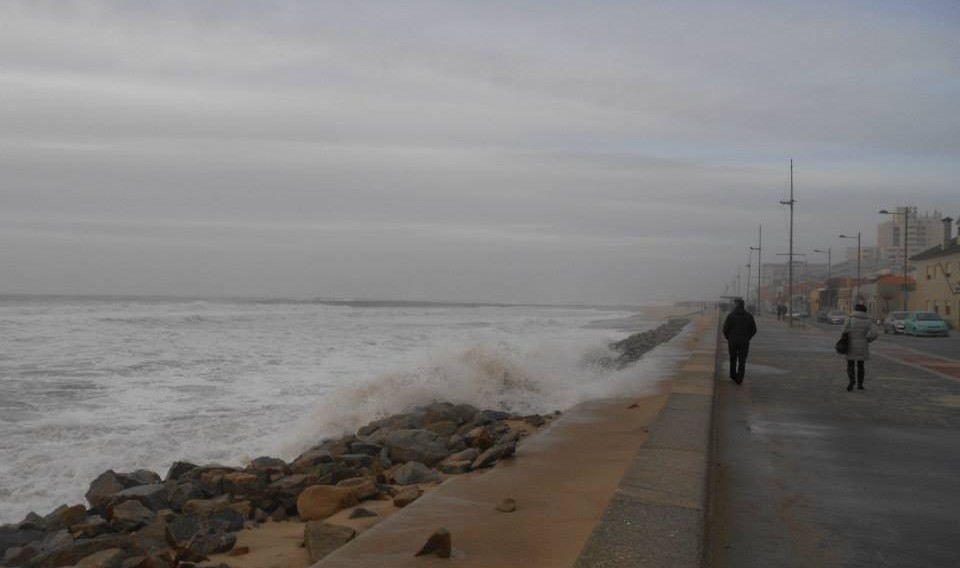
(808, 474)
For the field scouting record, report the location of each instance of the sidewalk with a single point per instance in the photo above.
(808, 474)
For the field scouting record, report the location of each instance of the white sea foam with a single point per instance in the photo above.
(89, 385)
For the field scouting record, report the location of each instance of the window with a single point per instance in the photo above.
(946, 308)
(946, 270)
(928, 272)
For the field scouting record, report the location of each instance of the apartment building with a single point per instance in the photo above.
(938, 277)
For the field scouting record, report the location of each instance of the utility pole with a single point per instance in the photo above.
(749, 274)
(759, 249)
(790, 264)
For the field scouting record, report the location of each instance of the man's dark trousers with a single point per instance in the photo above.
(738, 359)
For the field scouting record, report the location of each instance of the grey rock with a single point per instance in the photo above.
(446, 428)
(75, 551)
(155, 496)
(365, 448)
(183, 492)
(465, 412)
(91, 526)
(269, 464)
(488, 416)
(467, 454)
(107, 484)
(309, 459)
(18, 555)
(440, 412)
(32, 521)
(178, 469)
(413, 472)
(356, 460)
(130, 515)
(12, 537)
(416, 445)
(226, 520)
(320, 538)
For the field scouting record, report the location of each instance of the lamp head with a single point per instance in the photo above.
(884, 212)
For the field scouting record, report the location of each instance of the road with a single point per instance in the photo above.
(807, 474)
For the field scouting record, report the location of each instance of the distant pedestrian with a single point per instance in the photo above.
(738, 329)
(860, 333)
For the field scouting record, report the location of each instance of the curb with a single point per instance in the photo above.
(657, 516)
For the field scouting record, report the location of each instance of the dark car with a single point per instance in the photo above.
(894, 321)
(822, 315)
(836, 317)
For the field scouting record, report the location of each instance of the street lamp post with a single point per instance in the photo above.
(859, 254)
(829, 265)
(906, 221)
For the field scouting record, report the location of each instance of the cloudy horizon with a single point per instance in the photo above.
(617, 152)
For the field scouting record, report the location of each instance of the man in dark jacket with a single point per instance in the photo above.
(738, 328)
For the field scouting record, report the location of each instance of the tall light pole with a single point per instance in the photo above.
(746, 297)
(829, 265)
(759, 249)
(858, 266)
(906, 221)
(790, 202)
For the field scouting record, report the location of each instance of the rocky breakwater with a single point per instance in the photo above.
(140, 520)
(635, 346)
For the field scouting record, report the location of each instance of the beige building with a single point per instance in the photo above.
(938, 278)
(923, 232)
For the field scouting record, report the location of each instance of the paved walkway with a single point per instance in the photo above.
(807, 474)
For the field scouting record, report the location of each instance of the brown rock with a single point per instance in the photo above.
(63, 516)
(508, 505)
(320, 539)
(110, 558)
(320, 501)
(407, 495)
(361, 513)
(130, 515)
(206, 506)
(240, 483)
(363, 488)
(239, 551)
(439, 543)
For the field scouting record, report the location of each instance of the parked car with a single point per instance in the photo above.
(836, 317)
(894, 321)
(822, 315)
(925, 323)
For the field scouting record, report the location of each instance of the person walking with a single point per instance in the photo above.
(860, 333)
(738, 328)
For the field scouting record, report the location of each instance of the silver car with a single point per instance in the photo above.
(836, 317)
(894, 322)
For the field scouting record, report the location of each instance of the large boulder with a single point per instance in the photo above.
(320, 501)
(130, 515)
(407, 495)
(110, 482)
(440, 412)
(320, 539)
(310, 459)
(178, 469)
(445, 428)
(412, 473)
(154, 496)
(64, 516)
(363, 488)
(241, 483)
(416, 445)
(206, 506)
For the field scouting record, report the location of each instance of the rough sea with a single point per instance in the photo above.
(90, 384)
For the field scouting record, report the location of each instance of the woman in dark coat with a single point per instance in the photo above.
(860, 331)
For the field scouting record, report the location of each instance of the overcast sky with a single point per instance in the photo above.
(595, 151)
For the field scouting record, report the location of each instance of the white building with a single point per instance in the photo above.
(923, 232)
